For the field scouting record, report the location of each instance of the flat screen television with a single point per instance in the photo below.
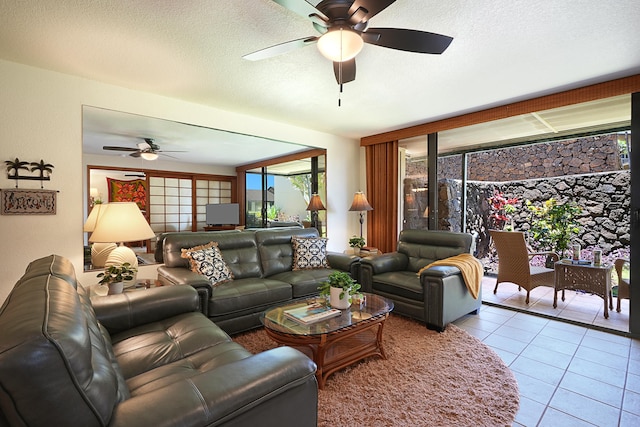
(223, 214)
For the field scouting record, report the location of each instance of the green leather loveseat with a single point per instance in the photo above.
(141, 358)
(262, 265)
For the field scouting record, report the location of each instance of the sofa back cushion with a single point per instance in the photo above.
(276, 250)
(240, 252)
(422, 247)
(172, 244)
(56, 362)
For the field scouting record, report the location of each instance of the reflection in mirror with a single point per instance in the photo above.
(279, 195)
(196, 166)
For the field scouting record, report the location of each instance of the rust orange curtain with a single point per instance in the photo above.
(382, 193)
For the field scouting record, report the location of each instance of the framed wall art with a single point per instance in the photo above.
(28, 202)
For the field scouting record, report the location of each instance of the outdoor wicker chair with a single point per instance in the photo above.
(623, 284)
(514, 262)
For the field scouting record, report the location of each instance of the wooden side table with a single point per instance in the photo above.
(589, 278)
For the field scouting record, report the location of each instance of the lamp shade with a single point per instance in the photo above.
(360, 203)
(315, 204)
(121, 222)
(94, 217)
(149, 155)
(340, 44)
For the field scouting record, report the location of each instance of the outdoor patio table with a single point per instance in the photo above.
(589, 278)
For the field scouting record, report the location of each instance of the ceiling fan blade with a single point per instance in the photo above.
(136, 154)
(110, 147)
(280, 49)
(408, 40)
(348, 72)
(371, 7)
(304, 9)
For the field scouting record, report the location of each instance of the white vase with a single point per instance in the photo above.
(335, 301)
(115, 288)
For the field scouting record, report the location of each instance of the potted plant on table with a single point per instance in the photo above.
(114, 277)
(340, 289)
(356, 243)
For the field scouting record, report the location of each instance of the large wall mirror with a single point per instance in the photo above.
(174, 170)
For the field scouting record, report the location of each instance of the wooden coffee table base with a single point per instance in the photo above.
(336, 350)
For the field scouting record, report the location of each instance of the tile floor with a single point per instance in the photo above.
(568, 374)
(577, 306)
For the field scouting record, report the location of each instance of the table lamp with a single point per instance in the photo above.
(315, 205)
(99, 251)
(361, 204)
(121, 222)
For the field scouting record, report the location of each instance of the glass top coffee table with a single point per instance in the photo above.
(333, 343)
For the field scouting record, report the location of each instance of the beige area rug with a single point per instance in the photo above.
(428, 379)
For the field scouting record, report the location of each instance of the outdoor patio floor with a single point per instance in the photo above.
(578, 307)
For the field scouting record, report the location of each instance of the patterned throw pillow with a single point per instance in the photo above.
(309, 253)
(207, 260)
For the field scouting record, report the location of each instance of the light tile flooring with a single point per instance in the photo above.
(577, 306)
(568, 374)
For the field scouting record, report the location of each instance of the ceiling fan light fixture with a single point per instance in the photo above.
(148, 155)
(340, 44)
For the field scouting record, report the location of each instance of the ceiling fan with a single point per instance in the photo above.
(148, 150)
(344, 28)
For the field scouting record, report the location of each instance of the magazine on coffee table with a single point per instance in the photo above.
(311, 313)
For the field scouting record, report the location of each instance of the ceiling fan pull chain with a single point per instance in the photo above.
(340, 85)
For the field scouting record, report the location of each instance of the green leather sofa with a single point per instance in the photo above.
(141, 358)
(261, 262)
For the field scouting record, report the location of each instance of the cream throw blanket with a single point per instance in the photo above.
(469, 266)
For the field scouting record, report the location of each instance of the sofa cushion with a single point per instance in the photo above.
(155, 354)
(304, 282)
(402, 283)
(247, 296)
(208, 261)
(424, 248)
(309, 253)
(44, 351)
(276, 250)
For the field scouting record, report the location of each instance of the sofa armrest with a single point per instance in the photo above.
(184, 276)
(129, 309)
(440, 271)
(273, 388)
(392, 261)
(343, 262)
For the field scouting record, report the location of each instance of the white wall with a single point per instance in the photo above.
(41, 115)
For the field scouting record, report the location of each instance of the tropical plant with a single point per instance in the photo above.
(501, 210)
(15, 165)
(342, 280)
(356, 242)
(554, 224)
(117, 273)
(272, 212)
(303, 184)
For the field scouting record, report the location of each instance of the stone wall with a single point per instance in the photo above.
(590, 154)
(604, 197)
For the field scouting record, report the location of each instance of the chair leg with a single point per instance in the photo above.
(527, 300)
(496, 288)
(618, 304)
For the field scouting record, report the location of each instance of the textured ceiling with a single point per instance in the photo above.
(503, 50)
